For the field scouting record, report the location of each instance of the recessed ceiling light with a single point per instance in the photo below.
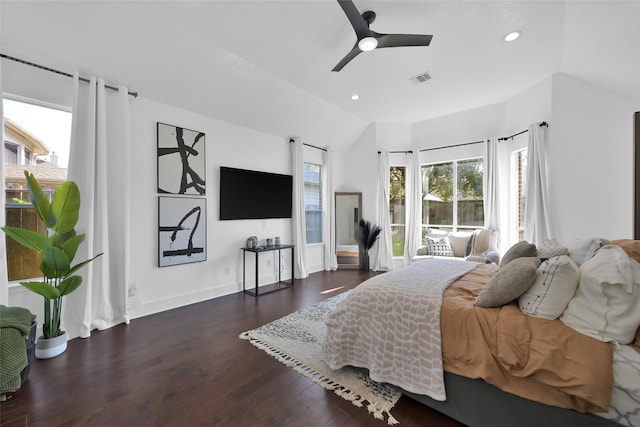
(355, 97)
(512, 36)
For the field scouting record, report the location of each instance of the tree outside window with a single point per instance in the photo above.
(452, 195)
(397, 205)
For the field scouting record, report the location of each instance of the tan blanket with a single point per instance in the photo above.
(538, 359)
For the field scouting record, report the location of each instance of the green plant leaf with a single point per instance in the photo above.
(70, 247)
(65, 206)
(69, 285)
(58, 239)
(39, 200)
(82, 264)
(56, 262)
(47, 291)
(27, 238)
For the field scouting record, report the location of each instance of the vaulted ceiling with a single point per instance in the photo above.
(267, 64)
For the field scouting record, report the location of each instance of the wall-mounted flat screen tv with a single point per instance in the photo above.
(248, 194)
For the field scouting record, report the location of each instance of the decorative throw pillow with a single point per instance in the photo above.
(459, 241)
(551, 248)
(439, 247)
(553, 288)
(606, 305)
(581, 250)
(511, 281)
(636, 343)
(520, 249)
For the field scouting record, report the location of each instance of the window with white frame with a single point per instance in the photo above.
(313, 202)
(452, 195)
(36, 137)
(397, 206)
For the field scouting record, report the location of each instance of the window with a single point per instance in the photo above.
(313, 202)
(521, 189)
(33, 135)
(397, 180)
(452, 195)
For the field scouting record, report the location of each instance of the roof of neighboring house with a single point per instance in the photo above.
(16, 134)
(46, 173)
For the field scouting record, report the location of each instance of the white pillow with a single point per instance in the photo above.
(606, 305)
(555, 284)
(581, 250)
(551, 248)
(457, 239)
(439, 247)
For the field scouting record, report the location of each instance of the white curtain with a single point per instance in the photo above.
(99, 164)
(382, 251)
(413, 234)
(537, 220)
(490, 185)
(299, 225)
(329, 215)
(4, 277)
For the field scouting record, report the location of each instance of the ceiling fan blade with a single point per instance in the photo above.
(358, 23)
(398, 40)
(354, 52)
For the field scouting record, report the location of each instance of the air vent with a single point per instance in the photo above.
(421, 78)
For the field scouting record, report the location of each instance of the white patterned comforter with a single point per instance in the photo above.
(390, 325)
(625, 398)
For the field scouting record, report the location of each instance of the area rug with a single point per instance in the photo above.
(297, 339)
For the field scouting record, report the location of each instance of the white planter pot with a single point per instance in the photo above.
(46, 348)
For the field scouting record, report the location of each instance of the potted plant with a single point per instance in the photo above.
(58, 249)
(366, 235)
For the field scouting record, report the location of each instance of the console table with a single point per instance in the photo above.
(280, 284)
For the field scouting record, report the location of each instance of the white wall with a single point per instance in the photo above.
(591, 151)
(164, 288)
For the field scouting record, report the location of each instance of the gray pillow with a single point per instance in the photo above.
(511, 281)
(520, 249)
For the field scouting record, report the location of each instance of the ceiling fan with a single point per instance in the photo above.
(369, 39)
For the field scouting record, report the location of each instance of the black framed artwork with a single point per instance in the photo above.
(182, 230)
(181, 160)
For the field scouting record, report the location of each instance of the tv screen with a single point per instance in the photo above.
(247, 194)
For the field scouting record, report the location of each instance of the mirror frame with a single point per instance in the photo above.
(335, 206)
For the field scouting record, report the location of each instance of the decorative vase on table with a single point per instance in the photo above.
(364, 260)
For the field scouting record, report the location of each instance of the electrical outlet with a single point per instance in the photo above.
(133, 290)
(227, 269)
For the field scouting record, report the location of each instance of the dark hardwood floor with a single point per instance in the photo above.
(187, 367)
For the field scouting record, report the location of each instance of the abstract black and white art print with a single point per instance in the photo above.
(182, 230)
(181, 160)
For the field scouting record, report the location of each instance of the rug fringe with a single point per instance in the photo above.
(318, 378)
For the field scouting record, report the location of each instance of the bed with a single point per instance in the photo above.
(487, 366)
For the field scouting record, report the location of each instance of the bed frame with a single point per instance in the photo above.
(479, 404)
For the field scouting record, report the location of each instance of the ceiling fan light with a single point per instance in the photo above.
(512, 36)
(368, 43)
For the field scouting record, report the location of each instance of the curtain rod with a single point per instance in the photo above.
(450, 146)
(308, 145)
(504, 138)
(398, 152)
(62, 73)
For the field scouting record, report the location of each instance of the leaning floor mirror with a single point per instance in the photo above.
(348, 213)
